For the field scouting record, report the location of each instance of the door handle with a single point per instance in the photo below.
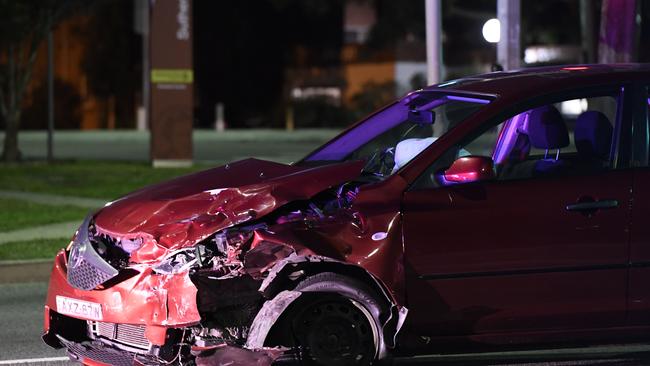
(592, 205)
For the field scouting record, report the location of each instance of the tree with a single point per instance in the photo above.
(23, 26)
(111, 65)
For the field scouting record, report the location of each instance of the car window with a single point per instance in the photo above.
(572, 136)
(388, 140)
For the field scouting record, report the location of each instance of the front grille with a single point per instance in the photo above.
(86, 268)
(126, 334)
(86, 277)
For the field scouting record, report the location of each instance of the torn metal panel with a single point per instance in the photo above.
(186, 210)
(220, 264)
(395, 314)
(146, 298)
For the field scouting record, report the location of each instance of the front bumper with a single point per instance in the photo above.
(147, 304)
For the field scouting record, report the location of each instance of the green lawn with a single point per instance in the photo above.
(92, 179)
(32, 249)
(15, 214)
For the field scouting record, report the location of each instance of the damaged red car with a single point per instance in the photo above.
(500, 209)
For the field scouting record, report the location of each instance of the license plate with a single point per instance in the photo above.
(79, 308)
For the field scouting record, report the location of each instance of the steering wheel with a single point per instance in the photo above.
(381, 162)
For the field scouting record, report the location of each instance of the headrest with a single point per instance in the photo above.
(546, 128)
(593, 135)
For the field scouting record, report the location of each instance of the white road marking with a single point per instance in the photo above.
(33, 360)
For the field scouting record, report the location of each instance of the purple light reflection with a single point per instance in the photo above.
(394, 115)
(359, 135)
(508, 136)
(468, 99)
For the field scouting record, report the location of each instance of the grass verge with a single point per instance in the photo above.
(92, 179)
(32, 249)
(16, 214)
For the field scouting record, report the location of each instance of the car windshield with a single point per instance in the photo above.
(391, 138)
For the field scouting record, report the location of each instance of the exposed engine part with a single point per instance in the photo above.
(231, 245)
(225, 252)
(114, 250)
(227, 307)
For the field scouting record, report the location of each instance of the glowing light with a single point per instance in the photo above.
(575, 68)
(492, 30)
(574, 107)
(468, 99)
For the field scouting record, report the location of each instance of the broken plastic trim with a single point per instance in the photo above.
(86, 268)
(178, 261)
(268, 316)
(272, 309)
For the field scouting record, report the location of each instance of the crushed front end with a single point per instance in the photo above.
(204, 277)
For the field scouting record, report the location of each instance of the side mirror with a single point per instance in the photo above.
(469, 169)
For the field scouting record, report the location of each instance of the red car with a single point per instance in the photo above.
(500, 209)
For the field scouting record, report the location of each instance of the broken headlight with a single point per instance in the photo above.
(182, 260)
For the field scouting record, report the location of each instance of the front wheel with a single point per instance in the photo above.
(332, 323)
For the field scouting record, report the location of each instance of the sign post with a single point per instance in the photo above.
(508, 48)
(433, 17)
(171, 81)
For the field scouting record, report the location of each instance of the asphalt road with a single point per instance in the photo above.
(21, 317)
(21, 322)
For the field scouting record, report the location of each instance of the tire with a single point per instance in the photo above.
(335, 322)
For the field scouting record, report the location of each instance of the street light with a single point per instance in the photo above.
(492, 30)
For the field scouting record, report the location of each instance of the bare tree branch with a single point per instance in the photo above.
(29, 63)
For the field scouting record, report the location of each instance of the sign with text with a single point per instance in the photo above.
(172, 80)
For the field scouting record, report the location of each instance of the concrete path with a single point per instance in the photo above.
(54, 200)
(25, 271)
(50, 231)
(208, 146)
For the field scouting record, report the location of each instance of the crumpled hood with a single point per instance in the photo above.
(184, 211)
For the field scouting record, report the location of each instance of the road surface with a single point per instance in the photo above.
(21, 317)
(21, 322)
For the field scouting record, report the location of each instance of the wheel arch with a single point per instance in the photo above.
(279, 290)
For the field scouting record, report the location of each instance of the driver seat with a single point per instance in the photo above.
(547, 130)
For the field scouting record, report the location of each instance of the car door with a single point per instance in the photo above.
(535, 253)
(639, 298)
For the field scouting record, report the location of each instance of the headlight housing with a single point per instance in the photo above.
(177, 262)
(223, 251)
